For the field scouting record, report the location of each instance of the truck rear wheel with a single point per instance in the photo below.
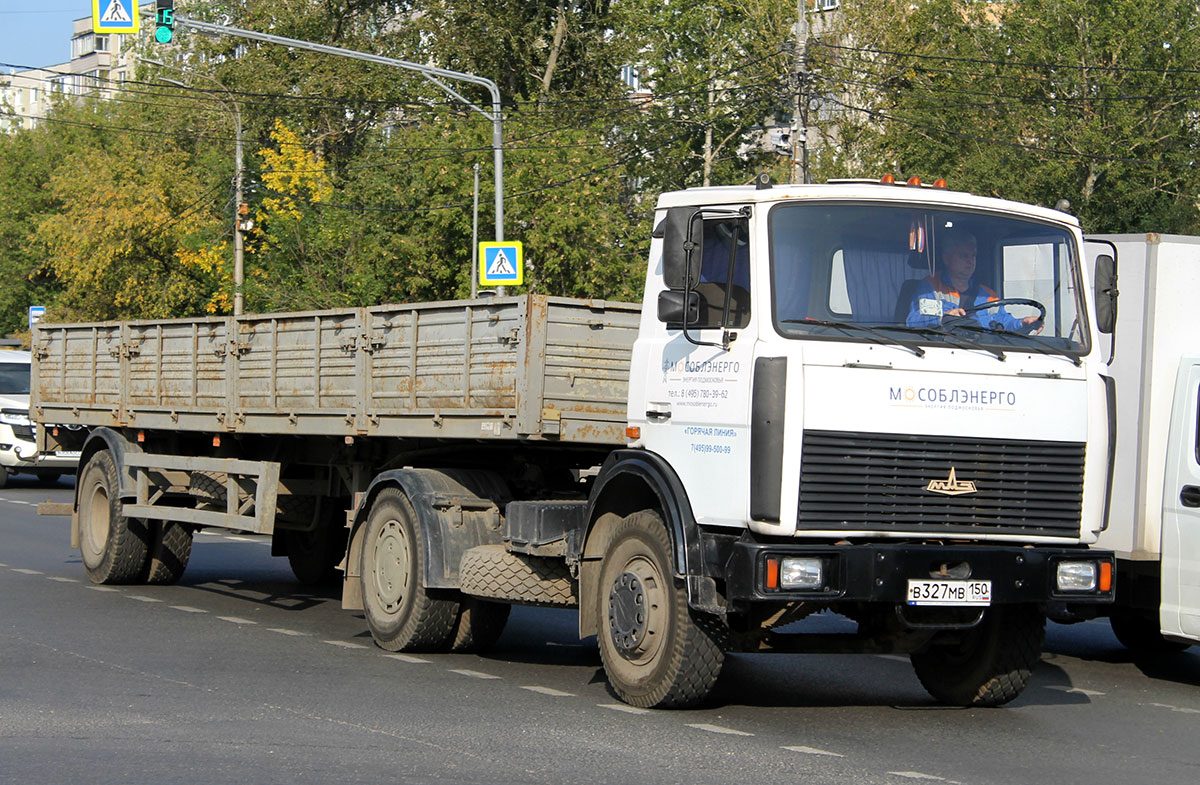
(656, 651)
(987, 665)
(170, 550)
(402, 614)
(1138, 631)
(314, 555)
(480, 625)
(114, 548)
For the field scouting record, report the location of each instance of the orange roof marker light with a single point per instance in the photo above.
(914, 180)
(888, 179)
(939, 183)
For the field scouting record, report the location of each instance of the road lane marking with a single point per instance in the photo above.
(101, 588)
(236, 620)
(285, 631)
(188, 609)
(704, 726)
(26, 571)
(345, 645)
(1179, 709)
(549, 691)
(1074, 690)
(407, 658)
(814, 751)
(60, 579)
(894, 657)
(473, 674)
(142, 598)
(916, 775)
(623, 707)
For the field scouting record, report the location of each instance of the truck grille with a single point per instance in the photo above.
(880, 482)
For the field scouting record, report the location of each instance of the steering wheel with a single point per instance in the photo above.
(1025, 329)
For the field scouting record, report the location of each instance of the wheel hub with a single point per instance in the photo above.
(627, 613)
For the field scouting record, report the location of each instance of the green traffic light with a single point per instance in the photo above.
(163, 34)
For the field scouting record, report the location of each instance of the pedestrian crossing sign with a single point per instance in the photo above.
(501, 264)
(114, 16)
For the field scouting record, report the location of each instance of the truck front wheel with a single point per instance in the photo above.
(987, 665)
(657, 653)
(1138, 631)
(402, 614)
(114, 548)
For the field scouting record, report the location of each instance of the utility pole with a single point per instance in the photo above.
(800, 172)
(238, 240)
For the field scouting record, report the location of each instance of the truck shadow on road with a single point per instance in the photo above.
(1094, 642)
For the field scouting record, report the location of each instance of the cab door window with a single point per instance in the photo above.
(725, 275)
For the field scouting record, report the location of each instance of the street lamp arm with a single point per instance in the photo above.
(430, 72)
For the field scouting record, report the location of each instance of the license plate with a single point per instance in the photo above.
(949, 592)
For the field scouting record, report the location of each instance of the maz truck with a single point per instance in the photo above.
(795, 421)
(1154, 518)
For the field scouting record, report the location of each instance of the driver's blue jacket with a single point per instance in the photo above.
(935, 296)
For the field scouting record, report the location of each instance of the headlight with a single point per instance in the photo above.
(1077, 575)
(14, 417)
(795, 572)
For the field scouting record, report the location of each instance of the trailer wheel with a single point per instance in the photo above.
(114, 548)
(1139, 632)
(480, 625)
(656, 651)
(402, 614)
(170, 550)
(988, 665)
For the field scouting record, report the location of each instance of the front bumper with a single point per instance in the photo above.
(878, 572)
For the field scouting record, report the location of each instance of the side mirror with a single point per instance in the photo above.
(683, 247)
(1106, 293)
(672, 306)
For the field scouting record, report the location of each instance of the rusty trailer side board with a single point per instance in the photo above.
(528, 367)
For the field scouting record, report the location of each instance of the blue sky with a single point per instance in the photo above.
(38, 32)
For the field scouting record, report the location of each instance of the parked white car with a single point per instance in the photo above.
(18, 451)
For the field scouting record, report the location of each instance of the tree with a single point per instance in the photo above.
(1034, 100)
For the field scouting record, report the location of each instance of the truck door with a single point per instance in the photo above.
(1180, 613)
(697, 411)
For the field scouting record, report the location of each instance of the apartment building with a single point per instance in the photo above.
(99, 64)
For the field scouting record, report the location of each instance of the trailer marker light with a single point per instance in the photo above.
(1106, 576)
(141, 437)
(1076, 576)
(216, 441)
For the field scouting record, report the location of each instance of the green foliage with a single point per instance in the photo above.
(1034, 100)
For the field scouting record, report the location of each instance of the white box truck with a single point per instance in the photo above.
(804, 414)
(1154, 507)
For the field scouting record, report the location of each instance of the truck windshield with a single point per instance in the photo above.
(935, 276)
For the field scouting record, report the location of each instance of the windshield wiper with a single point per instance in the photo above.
(877, 335)
(1037, 346)
(953, 339)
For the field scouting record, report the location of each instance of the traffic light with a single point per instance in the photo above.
(164, 21)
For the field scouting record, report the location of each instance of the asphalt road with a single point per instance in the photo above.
(239, 675)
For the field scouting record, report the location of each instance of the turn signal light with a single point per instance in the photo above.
(772, 573)
(633, 432)
(1105, 576)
